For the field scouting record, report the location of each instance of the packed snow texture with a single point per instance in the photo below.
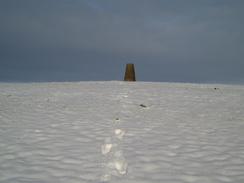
(126, 132)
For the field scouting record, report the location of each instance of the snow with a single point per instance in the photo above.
(125, 132)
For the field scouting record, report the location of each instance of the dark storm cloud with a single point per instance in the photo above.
(170, 40)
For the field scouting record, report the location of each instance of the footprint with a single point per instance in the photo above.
(119, 133)
(106, 148)
(121, 166)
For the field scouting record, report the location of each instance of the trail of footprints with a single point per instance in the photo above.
(115, 162)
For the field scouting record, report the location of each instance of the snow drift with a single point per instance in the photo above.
(121, 132)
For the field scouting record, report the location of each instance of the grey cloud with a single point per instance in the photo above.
(191, 41)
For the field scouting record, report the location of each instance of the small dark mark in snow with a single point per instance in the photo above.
(142, 105)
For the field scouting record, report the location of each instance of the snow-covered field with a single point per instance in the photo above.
(123, 132)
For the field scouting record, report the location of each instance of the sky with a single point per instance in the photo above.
(199, 41)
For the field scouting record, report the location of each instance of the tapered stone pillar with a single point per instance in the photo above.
(130, 73)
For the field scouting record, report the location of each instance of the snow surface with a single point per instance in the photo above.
(125, 132)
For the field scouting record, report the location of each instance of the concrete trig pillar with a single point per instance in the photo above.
(130, 73)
